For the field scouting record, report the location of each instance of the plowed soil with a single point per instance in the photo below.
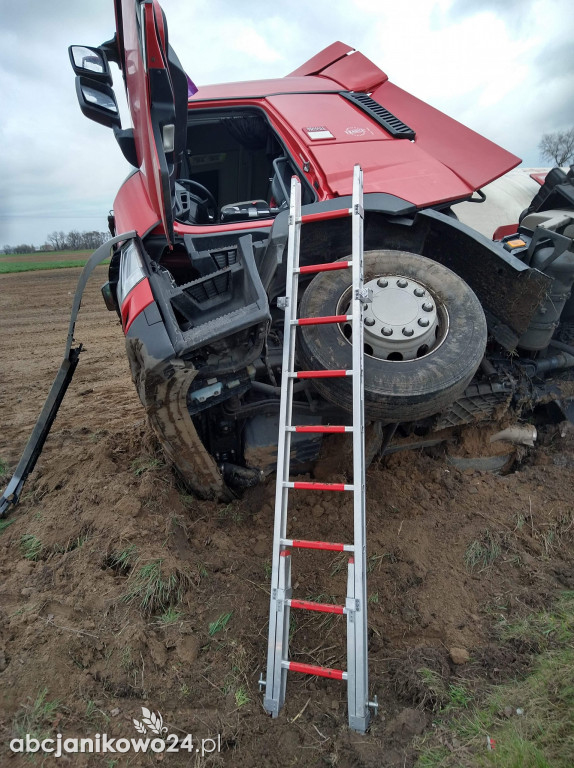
(451, 554)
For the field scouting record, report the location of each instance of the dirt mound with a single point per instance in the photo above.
(119, 590)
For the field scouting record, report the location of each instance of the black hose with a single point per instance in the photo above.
(561, 345)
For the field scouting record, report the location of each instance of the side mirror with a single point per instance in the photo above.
(98, 101)
(91, 62)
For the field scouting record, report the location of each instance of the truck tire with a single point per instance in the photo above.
(397, 390)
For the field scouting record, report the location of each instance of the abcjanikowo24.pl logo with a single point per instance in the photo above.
(153, 737)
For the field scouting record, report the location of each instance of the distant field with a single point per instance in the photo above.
(31, 262)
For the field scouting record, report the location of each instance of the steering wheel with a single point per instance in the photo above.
(205, 201)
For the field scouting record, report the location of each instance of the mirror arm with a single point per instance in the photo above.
(110, 48)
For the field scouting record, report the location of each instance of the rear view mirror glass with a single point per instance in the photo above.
(98, 102)
(91, 62)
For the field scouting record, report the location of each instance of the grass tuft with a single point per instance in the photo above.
(30, 546)
(219, 624)
(171, 616)
(153, 589)
(241, 697)
(33, 718)
(144, 464)
(481, 553)
(5, 524)
(122, 560)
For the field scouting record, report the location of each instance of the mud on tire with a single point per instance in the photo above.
(405, 390)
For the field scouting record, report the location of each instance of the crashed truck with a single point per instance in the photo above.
(461, 328)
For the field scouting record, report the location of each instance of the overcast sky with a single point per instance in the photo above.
(503, 67)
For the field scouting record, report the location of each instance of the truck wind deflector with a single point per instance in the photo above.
(395, 127)
(63, 378)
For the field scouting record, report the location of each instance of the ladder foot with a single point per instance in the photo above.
(360, 724)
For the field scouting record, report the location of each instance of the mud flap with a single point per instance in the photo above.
(63, 378)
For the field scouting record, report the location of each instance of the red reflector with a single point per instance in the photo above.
(135, 302)
(303, 544)
(312, 669)
(312, 268)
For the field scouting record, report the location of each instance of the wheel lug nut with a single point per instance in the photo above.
(402, 283)
(408, 332)
(428, 307)
(387, 331)
(419, 292)
(382, 283)
(369, 321)
(424, 322)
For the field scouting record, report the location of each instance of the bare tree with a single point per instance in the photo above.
(57, 240)
(558, 147)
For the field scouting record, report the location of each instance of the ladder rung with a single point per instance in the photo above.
(323, 320)
(329, 374)
(313, 669)
(320, 428)
(340, 213)
(303, 486)
(306, 605)
(310, 269)
(325, 545)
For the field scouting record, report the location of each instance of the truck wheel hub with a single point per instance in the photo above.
(402, 322)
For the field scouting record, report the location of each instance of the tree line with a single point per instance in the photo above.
(62, 241)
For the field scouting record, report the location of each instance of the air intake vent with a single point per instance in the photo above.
(386, 119)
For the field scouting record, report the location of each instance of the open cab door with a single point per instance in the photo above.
(157, 90)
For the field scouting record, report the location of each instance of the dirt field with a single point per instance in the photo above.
(450, 554)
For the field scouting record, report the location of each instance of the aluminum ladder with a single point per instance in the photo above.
(355, 608)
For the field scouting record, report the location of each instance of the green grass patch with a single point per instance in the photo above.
(5, 524)
(530, 720)
(481, 553)
(35, 718)
(241, 697)
(84, 253)
(171, 616)
(7, 268)
(30, 546)
(219, 624)
(122, 560)
(153, 589)
(144, 464)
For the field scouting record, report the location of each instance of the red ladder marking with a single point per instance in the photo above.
(306, 605)
(320, 428)
(305, 544)
(321, 374)
(331, 266)
(323, 320)
(301, 486)
(341, 213)
(312, 669)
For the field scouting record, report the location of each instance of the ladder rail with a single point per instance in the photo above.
(279, 612)
(357, 664)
